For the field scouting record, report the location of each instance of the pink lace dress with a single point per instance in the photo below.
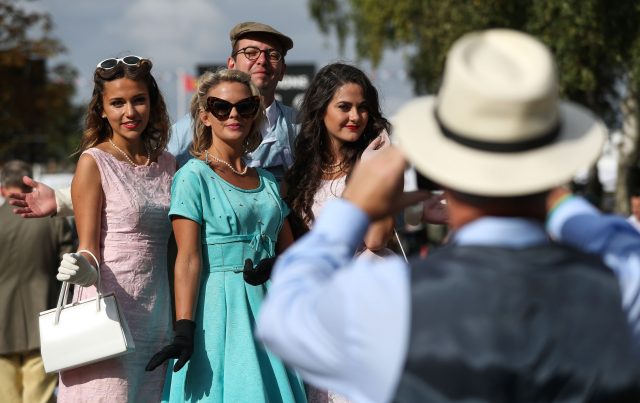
(134, 235)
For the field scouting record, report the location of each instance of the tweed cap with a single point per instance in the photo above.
(249, 27)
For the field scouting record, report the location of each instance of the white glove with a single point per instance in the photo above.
(76, 269)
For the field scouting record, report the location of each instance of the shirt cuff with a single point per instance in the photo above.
(64, 204)
(568, 209)
(342, 222)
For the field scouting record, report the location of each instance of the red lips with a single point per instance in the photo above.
(353, 128)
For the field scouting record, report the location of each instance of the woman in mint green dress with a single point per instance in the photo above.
(224, 213)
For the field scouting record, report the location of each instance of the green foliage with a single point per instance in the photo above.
(596, 42)
(38, 121)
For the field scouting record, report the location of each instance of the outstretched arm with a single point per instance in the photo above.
(42, 201)
(572, 220)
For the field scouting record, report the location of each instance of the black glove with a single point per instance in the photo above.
(181, 347)
(261, 273)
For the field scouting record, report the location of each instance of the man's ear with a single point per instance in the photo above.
(231, 63)
(284, 71)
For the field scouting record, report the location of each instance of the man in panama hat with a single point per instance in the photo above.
(502, 314)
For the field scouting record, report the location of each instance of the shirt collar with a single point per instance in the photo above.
(501, 231)
(271, 113)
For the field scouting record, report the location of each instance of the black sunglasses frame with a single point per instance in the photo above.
(223, 113)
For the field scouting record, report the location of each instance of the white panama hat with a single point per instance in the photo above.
(497, 127)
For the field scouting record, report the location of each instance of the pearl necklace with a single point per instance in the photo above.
(206, 159)
(127, 156)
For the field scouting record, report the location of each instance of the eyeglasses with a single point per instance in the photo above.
(131, 60)
(221, 109)
(252, 53)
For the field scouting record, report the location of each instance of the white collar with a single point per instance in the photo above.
(271, 112)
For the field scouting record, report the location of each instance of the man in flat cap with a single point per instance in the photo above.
(502, 313)
(259, 50)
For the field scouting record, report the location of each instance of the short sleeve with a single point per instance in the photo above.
(186, 194)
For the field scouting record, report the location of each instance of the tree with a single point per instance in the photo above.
(38, 121)
(596, 42)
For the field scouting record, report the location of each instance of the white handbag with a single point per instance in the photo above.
(83, 332)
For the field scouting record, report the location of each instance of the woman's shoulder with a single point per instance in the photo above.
(98, 154)
(194, 165)
(194, 168)
(103, 155)
(98, 149)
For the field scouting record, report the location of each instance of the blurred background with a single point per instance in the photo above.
(49, 49)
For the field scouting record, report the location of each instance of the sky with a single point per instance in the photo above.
(179, 35)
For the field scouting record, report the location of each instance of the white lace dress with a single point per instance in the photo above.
(329, 190)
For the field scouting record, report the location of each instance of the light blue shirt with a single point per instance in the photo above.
(180, 139)
(613, 238)
(343, 323)
(275, 152)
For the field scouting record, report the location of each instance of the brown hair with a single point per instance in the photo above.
(97, 129)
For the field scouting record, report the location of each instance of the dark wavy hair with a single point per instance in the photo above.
(97, 130)
(312, 146)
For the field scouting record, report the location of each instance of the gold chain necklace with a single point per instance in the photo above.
(337, 164)
(330, 169)
(127, 156)
(206, 160)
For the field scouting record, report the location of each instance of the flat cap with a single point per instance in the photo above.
(249, 27)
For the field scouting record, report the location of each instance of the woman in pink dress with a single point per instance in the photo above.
(121, 192)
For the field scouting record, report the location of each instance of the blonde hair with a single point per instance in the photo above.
(202, 135)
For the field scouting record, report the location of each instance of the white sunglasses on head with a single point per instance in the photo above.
(131, 60)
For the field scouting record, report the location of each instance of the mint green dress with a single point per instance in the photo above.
(228, 364)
